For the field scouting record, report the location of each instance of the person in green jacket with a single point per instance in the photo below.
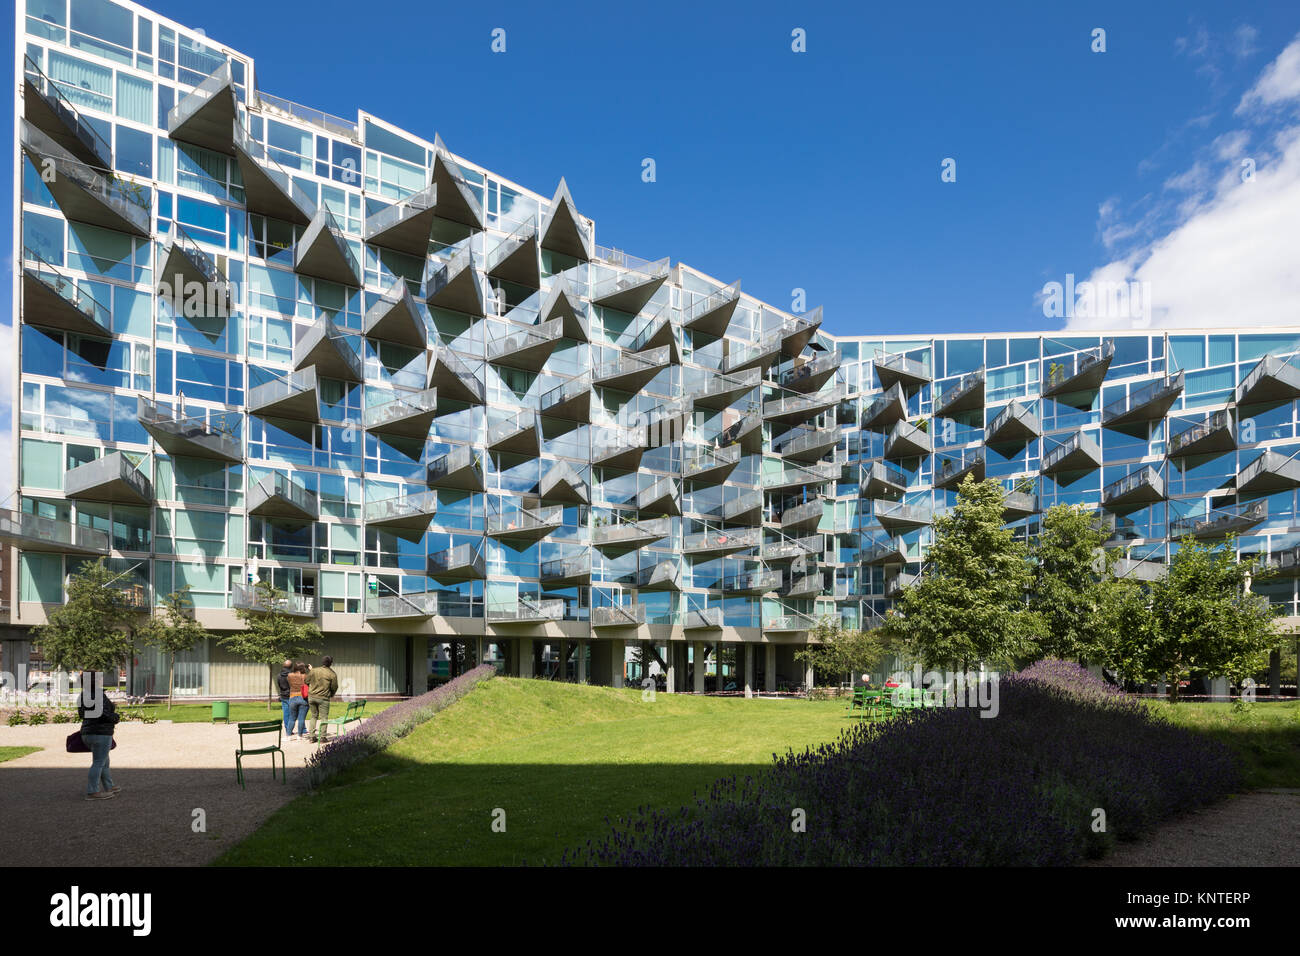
(322, 685)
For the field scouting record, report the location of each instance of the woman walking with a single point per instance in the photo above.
(297, 702)
(98, 720)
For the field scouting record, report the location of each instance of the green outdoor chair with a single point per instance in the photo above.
(858, 703)
(252, 728)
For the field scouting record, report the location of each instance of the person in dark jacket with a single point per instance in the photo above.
(322, 685)
(98, 720)
(282, 684)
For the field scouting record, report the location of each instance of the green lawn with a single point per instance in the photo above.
(557, 758)
(1265, 734)
(239, 710)
(13, 753)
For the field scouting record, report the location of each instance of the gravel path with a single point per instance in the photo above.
(1249, 829)
(166, 772)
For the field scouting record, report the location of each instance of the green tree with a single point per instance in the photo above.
(1198, 621)
(271, 635)
(969, 606)
(840, 650)
(92, 630)
(1073, 583)
(173, 632)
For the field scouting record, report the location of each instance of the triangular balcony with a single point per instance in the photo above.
(1214, 434)
(1140, 570)
(760, 355)
(791, 621)
(1146, 404)
(1019, 504)
(758, 581)
(560, 303)
(460, 469)
(951, 470)
(891, 550)
(719, 542)
(661, 576)
(525, 524)
(112, 477)
(245, 597)
(622, 615)
(527, 610)
(1284, 563)
(880, 480)
(191, 280)
(1078, 453)
(564, 230)
(277, 496)
(407, 516)
(453, 379)
(404, 226)
(964, 395)
(562, 483)
(1016, 425)
(632, 288)
(520, 434)
(895, 516)
(619, 448)
(568, 571)
(47, 107)
(709, 466)
(811, 374)
(907, 441)
(569, 400)
(802, 518)
(662, 497)
(899, 369)
(803, 585)
(796, 333)
(744, 509)
(1075, 378)
(631, 371)
(1268, 473)
(807, 444)
(900, 582)
(703, 619)
(395, 317)
(746, 433)
(459, 563)
(516, 258)
(206, 115)
(268, 189)
(791, 475)
(1137, 489)
(54, 300)
(656, 331)
(398, 607)
(323, 252)
(1219, 522)
(194, 437)
(1272, 381)
(712, 314)
(29, 532)
(455, 284)
(325, 347)
(522, 346)
(456, 199)
(84, 193)
(793, 409)
(718, 391)
(616, 539)
(886, 410)
(783, 548)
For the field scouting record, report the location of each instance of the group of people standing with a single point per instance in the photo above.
(305, 695)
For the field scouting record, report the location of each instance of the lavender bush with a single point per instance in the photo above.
(946, 787)
(379, 732)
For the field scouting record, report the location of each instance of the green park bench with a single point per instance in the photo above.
(253, 728)
(354, 712)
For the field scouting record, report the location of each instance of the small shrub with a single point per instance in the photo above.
(17, 719)
(38, 717)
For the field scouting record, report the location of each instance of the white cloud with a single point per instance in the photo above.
(1232, 255)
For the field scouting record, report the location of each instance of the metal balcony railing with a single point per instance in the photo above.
(1221, 521)
(29, 532)
(525, 521)
(93, 148)
(1065, 371)
(622, 615)
(969, 386)
(708, 618)
(1217, 423)
(393, 606)
(630, 532)
(399, 407)
(1147, 402)
(84, 193)
(68, 306)
(249, 598)
(419, 504)
(719, 541)
(528, 609)
(97, 480)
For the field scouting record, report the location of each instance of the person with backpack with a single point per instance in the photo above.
(282, 685)
(297, 702)
(322, 685)
(98, 720)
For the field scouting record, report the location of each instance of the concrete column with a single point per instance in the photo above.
(749, 670)
(524, 652)
(718, 683)
(769, 668)
(1275, 673)
(697, 652)
(808, 678)
(671, 671)
(617, 653)
(15, 660)
(564, 661)
(582, 662)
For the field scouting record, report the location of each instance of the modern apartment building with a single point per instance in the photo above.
(254, 341)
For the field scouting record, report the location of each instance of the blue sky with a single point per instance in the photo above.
(821, 170)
